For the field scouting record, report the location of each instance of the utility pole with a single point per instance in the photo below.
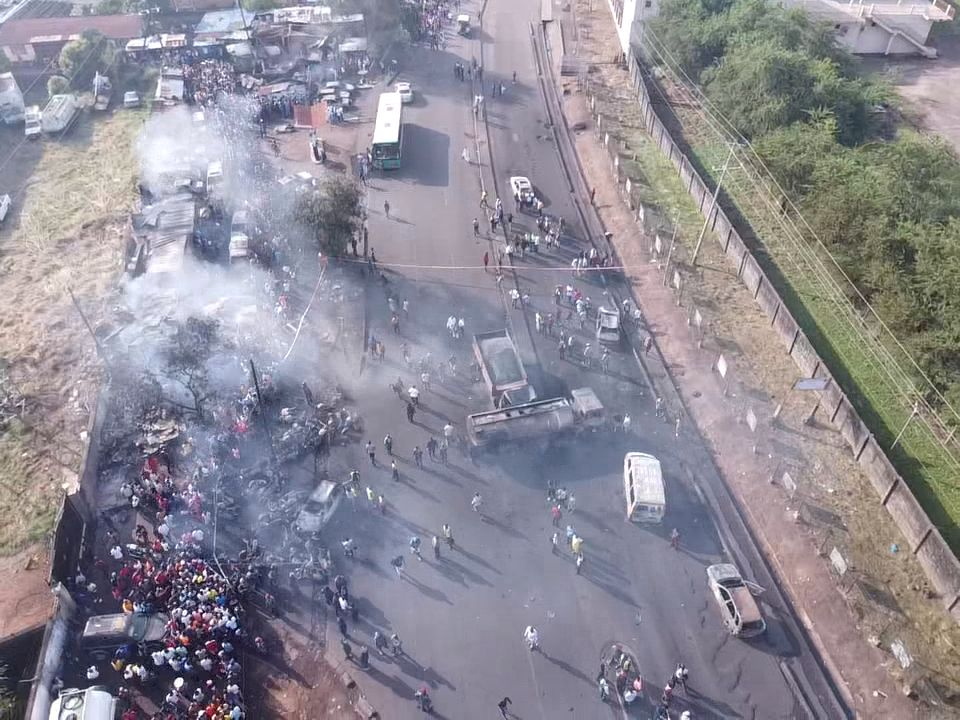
(673, 240)
(96, 342)
(713, 205)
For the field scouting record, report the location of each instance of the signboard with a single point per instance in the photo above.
(811, 384)
(899, 651)
(722, 366)
(751, 420)
(789, 484)
(839, 562)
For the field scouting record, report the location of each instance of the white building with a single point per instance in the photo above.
(896, 27)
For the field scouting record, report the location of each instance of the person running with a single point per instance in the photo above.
(502, 707)
(476, 502)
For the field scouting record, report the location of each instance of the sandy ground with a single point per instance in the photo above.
(71, 198)
(884, 597)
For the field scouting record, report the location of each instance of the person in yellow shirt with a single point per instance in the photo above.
(576, 543)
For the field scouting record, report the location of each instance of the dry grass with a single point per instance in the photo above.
(69, 233)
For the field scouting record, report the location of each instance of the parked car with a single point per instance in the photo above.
(131, 99)
(405, 90)
(734, 596)
(103, 634)
(5, 203)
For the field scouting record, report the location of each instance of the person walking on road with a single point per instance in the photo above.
(372, 453)
(388, 444)
(556, 514)
(554, 539)
(432, 448)
(447, 535)
(476, 502)
(435, 541)
(411, 411)
(675, 539)
(532, 638)
(347, 649)
(502, 705)
(680, 676)
(415, 547)
(386, 208)
(394, 471)
(483, 199)
(397, 563)
(380, 642)
(371, 496)
(418, 456)
(486, 261)
(579, 562)
(476, 227)
(396, 645)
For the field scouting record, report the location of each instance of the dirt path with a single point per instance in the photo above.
(833, 505)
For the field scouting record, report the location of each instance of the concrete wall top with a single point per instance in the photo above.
(908, 514)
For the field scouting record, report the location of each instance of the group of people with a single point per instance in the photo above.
(204, 81)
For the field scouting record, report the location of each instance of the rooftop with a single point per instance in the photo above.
(56, 29)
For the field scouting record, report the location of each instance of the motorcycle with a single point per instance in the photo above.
(423, 700)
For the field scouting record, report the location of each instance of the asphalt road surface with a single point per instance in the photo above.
(461, 616)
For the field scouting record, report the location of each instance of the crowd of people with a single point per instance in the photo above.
(204, 81)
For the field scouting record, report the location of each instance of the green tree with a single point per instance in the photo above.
(330, 214)
(761, 87)
(57, 85)
(693, 31)
(110, 7)
(82, 58)
(792, 153)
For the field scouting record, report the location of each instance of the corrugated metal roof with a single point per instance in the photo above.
(54, 29)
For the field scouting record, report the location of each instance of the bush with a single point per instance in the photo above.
(57, 85)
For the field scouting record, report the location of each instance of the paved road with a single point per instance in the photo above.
(461, 616)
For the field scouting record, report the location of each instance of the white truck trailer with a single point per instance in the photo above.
(11, 100)
(59, 114)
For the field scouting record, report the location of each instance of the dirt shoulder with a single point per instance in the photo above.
(883, 598)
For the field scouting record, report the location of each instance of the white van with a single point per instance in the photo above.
(643, 488)
(94, 703)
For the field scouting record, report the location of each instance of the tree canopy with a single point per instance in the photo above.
(330, 214)
(82, 58)
(886, 204)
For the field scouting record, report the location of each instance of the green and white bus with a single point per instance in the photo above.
(388, 133)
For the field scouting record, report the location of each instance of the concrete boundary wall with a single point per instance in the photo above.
(937, 560)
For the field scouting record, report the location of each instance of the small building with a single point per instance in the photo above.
(894, 27)
(223, 24)
(897, 27)
(41, 39)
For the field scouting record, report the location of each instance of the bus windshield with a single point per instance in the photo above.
(388, 133)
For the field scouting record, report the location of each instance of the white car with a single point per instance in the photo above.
(5, 203)
(405, 90)
(734, 596)
(522, 190)
(131, 99)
